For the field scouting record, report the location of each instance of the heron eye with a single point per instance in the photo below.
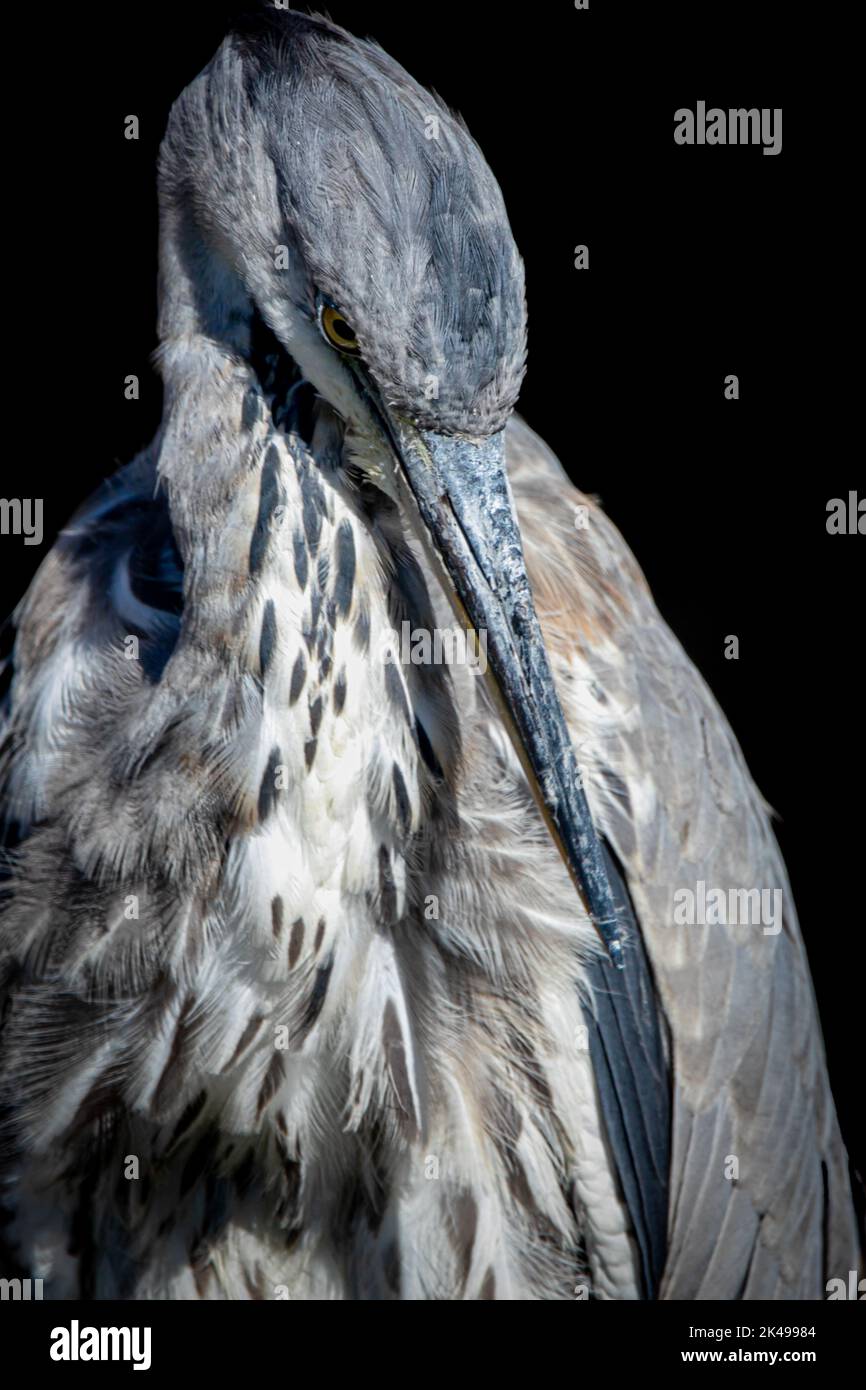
(338, 331)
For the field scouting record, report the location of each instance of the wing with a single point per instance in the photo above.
(629, 1054)
(111, 588)
(760, 1203)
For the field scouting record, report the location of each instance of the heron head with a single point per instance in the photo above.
(309, 182)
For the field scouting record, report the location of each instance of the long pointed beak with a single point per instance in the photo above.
(470, 531)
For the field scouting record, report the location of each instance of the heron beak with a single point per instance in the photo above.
(470, 532)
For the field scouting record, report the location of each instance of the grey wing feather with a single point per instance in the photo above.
(760, 1192)
(629, 1056)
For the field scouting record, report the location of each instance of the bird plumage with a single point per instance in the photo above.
(299, 999)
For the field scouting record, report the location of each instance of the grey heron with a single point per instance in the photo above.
(328, 974)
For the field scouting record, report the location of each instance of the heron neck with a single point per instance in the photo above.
(287, 597)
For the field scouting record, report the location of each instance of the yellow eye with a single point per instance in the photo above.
(338, 331)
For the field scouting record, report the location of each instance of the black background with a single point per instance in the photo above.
(703, 262)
